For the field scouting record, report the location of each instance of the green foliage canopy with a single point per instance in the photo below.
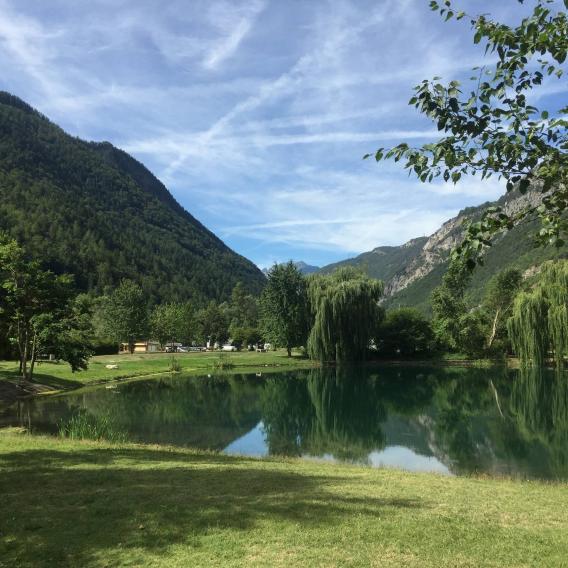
(284, 307)
(212, 324)
(126, 314)
(539, 320)
(172, 322)
(40, 313)
(448, 305)
(346, 315)
(404, 332)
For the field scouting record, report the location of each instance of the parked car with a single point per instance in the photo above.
(228, 348)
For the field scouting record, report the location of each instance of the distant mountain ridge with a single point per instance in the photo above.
(91, 209)
(304, 268)
(412, 270)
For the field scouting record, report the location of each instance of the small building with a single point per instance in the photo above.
(141, 347)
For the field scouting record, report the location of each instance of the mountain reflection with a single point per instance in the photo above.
(465, 420)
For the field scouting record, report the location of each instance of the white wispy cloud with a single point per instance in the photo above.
(28, 46)
(235, 23)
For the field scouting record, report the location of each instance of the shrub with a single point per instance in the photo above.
(404, 332)
(223, 363)
(83, 426)
(175, 365)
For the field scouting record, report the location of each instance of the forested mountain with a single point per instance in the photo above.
(411, 271)
(383, 262)
(92, 210)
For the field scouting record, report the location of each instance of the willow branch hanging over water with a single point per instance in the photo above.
(539, 322)
(346, 310)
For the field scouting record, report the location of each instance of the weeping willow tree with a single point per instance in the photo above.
(539, 321)
(348, 415)
(346, 315)
(538, 405)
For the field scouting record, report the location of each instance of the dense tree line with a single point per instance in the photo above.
(333, 318)
(345, 322)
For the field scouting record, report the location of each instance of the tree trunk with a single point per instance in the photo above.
(24, 375)
(493, 329)
(289, 350)
(33, 357)
(496, 394)
(23, 347)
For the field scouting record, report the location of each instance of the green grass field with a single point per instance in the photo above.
(83, 504)
(59, 375)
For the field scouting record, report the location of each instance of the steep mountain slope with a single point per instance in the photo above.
(91, 209)
(411, 271)
(384, 262)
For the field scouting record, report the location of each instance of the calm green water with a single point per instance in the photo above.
(453, 421)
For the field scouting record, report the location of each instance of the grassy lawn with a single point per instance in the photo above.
(94, 504)
(59, 375)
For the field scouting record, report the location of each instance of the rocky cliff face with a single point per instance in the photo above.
(438, 246)
(408, 264)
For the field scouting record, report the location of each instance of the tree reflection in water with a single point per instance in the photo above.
(337, 411)
(490, 421)
(473, 420)
(538, 406)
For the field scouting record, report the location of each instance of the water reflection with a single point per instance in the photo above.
(450, 420)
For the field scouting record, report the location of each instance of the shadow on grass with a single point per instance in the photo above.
(13, 388)
(41, 378)
(70, 508)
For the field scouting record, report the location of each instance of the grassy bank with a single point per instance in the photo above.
(93, 504)
(58, 376)
(52, 377)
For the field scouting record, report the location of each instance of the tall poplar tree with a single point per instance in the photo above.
(284, 307)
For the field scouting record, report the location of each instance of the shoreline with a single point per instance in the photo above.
(12, 389)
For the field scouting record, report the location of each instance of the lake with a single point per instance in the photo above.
(454, 421)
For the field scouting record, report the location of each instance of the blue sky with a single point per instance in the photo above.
(256, 114)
